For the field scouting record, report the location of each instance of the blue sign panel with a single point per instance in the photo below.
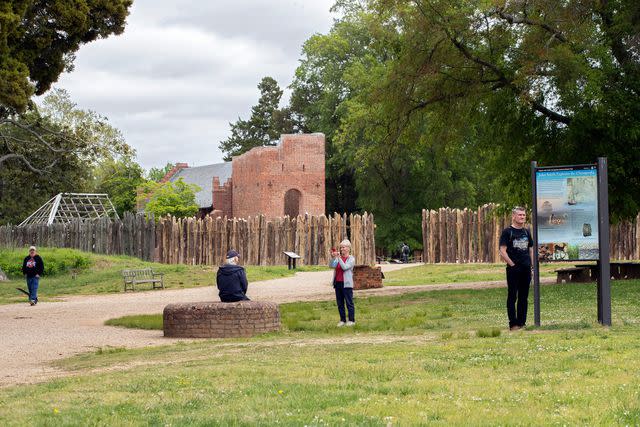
(567, 203)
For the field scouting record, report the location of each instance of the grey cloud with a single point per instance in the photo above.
(277, 21)
(183, 70)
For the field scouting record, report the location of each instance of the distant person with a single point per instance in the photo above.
(32, 268)
(343, 264)
(516, 249)
(232, 280)
(404, 250)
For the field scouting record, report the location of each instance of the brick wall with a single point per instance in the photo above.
(262, 176)
(220, 320)
(222, 197)
(366, 277)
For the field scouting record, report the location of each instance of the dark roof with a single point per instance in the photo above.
(202, 176)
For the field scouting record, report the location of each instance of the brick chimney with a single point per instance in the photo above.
(174, 171)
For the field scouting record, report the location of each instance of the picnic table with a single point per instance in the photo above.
(573, 274)
(625, 270)
(589, 272)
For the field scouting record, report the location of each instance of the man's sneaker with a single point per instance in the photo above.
(32, 302)
(340, 324)
(515, 328)
(350, 323)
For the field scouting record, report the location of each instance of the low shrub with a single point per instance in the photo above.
(488, 333)
(56, 260)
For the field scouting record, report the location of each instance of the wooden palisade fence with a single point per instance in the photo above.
(259, 240)
(133, 235)
(262, 241)
(464, 236)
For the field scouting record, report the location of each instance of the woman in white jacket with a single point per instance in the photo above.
(343, 264)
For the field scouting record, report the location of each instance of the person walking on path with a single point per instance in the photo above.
(516, 249)
(405, 253)
(343, 264)
(232, 280)
(33, 268)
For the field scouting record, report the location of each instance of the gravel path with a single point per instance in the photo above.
(33, 337)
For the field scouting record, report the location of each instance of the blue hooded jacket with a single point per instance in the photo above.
(232, 283)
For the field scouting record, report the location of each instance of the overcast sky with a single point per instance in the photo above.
(183, 70)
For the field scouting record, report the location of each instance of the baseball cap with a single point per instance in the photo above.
(32, 248)
(232, 254)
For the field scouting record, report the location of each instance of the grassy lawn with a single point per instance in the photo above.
(429, 274)
(103, 275)
(422, 358)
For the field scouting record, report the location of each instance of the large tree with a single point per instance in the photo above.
(558, 82)
(448, 101)
(38, 41)
(264, 126)
(376, 162)
(63, 160)
(319, 91)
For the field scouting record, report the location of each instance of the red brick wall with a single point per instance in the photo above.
(222, 197)
(220, 320)
(366, 277)
(262, 176)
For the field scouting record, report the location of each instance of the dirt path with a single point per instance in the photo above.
(33, 337)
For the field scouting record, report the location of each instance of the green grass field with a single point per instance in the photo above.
(430, 274)
(103, 275)
(425, 358)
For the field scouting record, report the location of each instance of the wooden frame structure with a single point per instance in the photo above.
(68, 207)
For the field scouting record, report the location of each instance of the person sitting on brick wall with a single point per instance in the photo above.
(232, 280)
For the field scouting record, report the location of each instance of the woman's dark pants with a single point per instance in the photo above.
(345, 295)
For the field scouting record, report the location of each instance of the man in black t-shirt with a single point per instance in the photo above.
(516, 248)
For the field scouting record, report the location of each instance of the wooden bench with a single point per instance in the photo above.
(143, 275)
(573, 274)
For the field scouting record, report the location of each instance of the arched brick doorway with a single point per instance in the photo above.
(292, 201)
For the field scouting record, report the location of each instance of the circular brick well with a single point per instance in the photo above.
(220, 319)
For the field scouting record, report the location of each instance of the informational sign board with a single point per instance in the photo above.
(567, 213)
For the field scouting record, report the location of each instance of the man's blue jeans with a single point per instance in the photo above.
(32, 284)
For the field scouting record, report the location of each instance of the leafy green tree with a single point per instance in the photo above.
(92, 130)
(374, 161)
(119, 179)
(38, 41)
(22, 190)
(60, 145)
(156, 174)
(556, 82)
(448, 101)
(319, 91)
(175, 198)
(264, 126)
